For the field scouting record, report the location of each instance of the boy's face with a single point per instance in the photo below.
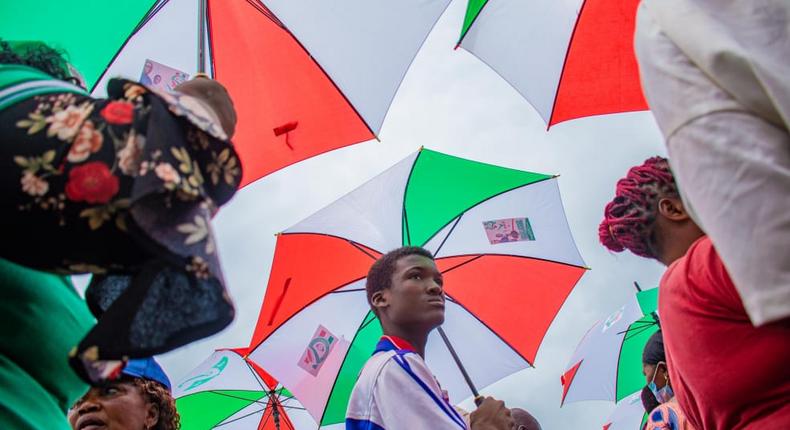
(416, 297)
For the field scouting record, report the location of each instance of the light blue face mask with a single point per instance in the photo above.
(663, 394)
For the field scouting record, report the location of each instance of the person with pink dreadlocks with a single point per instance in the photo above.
(726, 373)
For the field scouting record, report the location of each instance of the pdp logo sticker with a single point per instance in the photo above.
(317, 351)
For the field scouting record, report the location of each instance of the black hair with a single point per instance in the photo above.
(49, 60)
(380, 273)
(654, 350)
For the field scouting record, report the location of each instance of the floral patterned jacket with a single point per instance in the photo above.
(121, 187)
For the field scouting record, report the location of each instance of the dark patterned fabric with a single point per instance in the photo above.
(123, 188)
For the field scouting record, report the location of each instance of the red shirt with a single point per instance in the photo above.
(726, 373)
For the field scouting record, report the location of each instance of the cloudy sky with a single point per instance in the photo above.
(453, 103)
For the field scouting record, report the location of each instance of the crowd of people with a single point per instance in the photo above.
(125, 187)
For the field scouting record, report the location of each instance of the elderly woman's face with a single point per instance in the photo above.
(115, 406)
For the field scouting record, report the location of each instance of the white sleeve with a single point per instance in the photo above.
(406, 397)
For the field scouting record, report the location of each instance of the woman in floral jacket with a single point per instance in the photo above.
(124, 188)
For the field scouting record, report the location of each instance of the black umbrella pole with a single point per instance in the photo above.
(478, 398)
(201, 66)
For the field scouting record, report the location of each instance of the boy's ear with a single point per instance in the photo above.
(380, 299)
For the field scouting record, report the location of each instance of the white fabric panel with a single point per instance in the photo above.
(541, 203)
(169, 38)
(628, 414)
(223, 370)
(525, 42)
(341, 314)
(365, 46)
(484, 355)
(600, 349)
(370, 215)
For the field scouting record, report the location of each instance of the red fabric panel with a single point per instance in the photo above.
(516, 297)
(306, 267)
(274, 83)
(268, 423)
(600, 74)
(567, 379)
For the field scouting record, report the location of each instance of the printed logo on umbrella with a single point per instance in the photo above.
(317, 351)
(508, 230)
(206, 376)
(612, 320)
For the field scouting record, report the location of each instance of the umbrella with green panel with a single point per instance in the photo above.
(607, 364)
(499, 236)
(227, 391)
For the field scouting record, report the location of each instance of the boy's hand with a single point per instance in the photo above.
(491, 415)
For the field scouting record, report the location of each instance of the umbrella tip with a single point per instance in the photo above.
(421, 148)
(587, 268)
(555, 176)
(279, 233)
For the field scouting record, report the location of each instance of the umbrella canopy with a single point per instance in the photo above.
(607, 364)
(306, 76)
(227, 391)
(499, 235)
(569, 59)
(629, 414)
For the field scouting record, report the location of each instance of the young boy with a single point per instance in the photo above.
(396, 390)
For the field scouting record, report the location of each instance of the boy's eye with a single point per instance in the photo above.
(415, 276)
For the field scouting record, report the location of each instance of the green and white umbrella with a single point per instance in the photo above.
(499, 236)
(607, 364)
(229, 392)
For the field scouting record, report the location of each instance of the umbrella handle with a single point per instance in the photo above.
(478, 398)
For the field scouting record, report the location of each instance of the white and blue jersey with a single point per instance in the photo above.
(396, 390)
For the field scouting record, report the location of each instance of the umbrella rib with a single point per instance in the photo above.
(462, 264)
(492, 331)
(359, 247)
(128, 38)
(260, 7)
(457, 220)
(239, 418)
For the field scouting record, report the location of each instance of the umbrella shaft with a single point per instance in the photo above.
(201, 66)
(459, 364)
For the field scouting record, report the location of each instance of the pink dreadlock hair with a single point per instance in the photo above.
(629, 217)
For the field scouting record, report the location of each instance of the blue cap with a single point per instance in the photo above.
(147, 368)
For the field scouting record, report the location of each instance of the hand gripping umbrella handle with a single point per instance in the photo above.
(478, 398)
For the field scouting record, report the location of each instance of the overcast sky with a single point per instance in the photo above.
(453, 103)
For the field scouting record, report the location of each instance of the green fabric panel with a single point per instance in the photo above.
(89, 31)
(441, 187)
(629, 370)
(473, 9)
(283, 392)
(204, 410)
(25, 404)
(361, 349)
(648, 300)
(43, 317)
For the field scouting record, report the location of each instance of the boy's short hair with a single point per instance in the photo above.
(380, 273)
